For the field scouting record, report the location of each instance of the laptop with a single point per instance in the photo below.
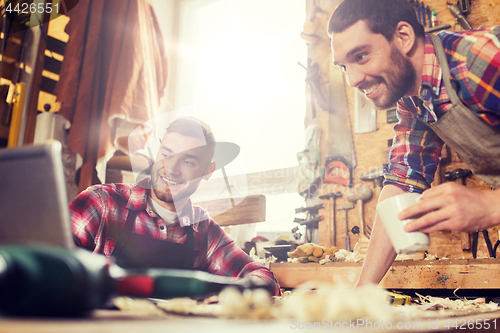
(33, 200)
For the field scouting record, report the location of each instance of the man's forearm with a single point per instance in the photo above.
(380, 253)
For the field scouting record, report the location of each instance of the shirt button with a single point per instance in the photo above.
(162, 227)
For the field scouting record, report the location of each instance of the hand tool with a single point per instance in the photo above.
(496, 245)
(312, 228)
(313, 210)
(461, 174)
(340, 141)
(338, 171)
(398, 299)
(309, 159)
(438, 28)
(333, 226)
(347, 239)
(312, 79)
(464, 6)
(422, 13)
(53, 281)
(368, 231)
(456, 11)
(419, 13)
(311, 221)
(475, 237)
(360, 194)
(377, 177)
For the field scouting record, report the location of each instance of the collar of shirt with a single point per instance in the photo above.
(187, 217)
(169, 217)
(430, 86)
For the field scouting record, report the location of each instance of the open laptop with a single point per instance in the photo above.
(33, 200)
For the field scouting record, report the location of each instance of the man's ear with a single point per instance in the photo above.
(404, 36)
(210, 171)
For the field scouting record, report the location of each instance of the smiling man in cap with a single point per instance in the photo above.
(154, 224)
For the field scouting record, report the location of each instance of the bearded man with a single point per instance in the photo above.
(447, 90)
(154, 225)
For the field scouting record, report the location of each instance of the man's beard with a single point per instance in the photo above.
(400, 79)
(164, 194)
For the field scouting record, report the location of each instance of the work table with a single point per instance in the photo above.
(409, 274)
(111, 321)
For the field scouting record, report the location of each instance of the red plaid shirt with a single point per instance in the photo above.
(474, 61)
(98, 215)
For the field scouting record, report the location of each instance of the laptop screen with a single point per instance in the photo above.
(33, 200)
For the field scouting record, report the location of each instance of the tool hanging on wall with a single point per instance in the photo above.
(338, 171)
(312, 81)
(341, 155)
(360, 194)
(425, 15)
(309, 158)
(461, 175)
(333, 221)
(347, 238)
(311, 221)
(475, 236)
(377, 177)
(459, 11)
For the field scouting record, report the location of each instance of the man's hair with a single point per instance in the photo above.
(195, 128)
(381, 16)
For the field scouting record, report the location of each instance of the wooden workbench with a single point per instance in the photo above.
(414, 274)
(109, 321)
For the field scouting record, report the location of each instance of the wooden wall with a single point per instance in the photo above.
(372, 149)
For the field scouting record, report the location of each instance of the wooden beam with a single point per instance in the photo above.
(417, 274)
(251, 209)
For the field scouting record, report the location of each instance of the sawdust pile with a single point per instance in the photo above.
(309, 302)
(438, 306)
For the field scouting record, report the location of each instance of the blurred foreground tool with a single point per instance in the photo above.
(398, 299)
(52, 281)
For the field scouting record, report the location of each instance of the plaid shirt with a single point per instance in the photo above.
(474, 61)
(98, 215)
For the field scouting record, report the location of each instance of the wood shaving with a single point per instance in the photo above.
(266, 262)
(249, 304)
(344, 255)
(314, 301)
(138, 307)
(445, 307)
(188, 306)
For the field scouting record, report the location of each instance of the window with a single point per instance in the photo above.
(238, 65)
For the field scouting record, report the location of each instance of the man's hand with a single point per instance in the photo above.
(450, 206)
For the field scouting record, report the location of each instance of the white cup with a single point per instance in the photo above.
(403, 242)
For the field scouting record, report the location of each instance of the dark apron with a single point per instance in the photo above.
(139, 251)
(475, 142)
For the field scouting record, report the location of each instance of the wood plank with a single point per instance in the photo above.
(251, 209)
(418, 274)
